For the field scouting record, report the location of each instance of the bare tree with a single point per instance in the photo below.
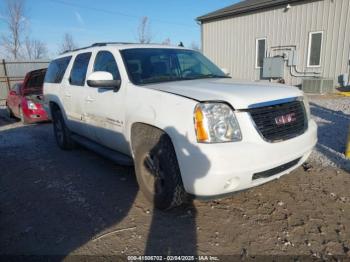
(68, 43)
(144, 31)
(35, 49)
(166, 41)
(15, 20)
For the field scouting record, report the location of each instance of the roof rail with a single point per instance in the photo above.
(98, 44)
(108, 43)
(113, 43)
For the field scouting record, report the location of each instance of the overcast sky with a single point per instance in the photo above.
(92, 21)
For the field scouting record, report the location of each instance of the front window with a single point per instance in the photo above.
(154, 65)
(105, 61)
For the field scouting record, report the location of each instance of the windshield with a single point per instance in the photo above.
(155, 65)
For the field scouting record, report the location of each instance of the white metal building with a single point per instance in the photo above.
(312, 36)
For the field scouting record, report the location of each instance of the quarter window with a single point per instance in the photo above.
(260, 52)
(105, 61)
(315, 48)
(78, 73)
(56, 70)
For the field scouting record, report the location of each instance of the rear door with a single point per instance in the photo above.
(104, 108)
(73, 93)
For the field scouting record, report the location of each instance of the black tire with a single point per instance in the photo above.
(157, 169)
(9, 111)
(62, 133)
(21, 116)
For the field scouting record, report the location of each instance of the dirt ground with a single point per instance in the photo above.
(75, 202)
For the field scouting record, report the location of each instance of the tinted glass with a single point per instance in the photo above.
(105, 61)
(56, 70)
(32, 82)
(315, 49)
(36, 80)
(261, 52)
(153, 65)
(79, 69)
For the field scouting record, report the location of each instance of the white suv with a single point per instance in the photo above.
(187, 127)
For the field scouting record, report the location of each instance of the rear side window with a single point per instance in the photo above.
(105, 61)
(78, 73)
(56, 70)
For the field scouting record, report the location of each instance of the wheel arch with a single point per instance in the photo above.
(141, 127)
(54, 104)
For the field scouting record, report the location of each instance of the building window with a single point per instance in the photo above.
(260, 52)
(315, 49)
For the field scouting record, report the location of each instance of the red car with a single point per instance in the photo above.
(25, 100)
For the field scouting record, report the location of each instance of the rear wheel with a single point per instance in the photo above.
(61, 131)
(9, 111)
(157, 170)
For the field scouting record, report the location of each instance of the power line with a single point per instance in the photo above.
(115, 12)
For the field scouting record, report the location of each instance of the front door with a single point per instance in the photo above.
(104, 108)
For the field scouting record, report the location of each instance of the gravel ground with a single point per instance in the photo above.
(332, 114)
(77, 203)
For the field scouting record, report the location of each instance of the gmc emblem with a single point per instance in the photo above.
(285, 119)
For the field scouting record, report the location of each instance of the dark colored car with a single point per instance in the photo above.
(25, 100)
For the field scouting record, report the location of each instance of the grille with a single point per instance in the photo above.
(276, 170)
(280, 122)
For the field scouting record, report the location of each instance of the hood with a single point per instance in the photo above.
(238, 93)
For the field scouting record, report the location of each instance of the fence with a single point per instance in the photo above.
(12, 72)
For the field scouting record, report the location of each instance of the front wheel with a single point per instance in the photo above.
(157, 171)
(61, 131)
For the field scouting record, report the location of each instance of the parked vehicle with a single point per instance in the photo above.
(185, 125)
(24, 100)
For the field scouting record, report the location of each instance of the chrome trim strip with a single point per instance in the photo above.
(273, 102)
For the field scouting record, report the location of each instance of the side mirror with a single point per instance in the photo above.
(101, 79)
(226, 72)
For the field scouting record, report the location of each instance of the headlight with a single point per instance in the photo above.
(307, 107)
(31, 105)
(216, 123)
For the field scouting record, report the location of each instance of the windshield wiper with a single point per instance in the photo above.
(207, 76)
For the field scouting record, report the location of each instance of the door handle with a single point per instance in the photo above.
(67, 94)
(89, 99)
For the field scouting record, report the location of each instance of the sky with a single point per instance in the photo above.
(90, 21)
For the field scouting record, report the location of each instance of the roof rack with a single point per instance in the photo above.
(99, 44)
(111, 43)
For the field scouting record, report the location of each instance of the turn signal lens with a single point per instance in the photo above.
(202, 134)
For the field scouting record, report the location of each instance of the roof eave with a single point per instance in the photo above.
(212, 16)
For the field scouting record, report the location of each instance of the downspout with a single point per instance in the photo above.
(201, 29)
